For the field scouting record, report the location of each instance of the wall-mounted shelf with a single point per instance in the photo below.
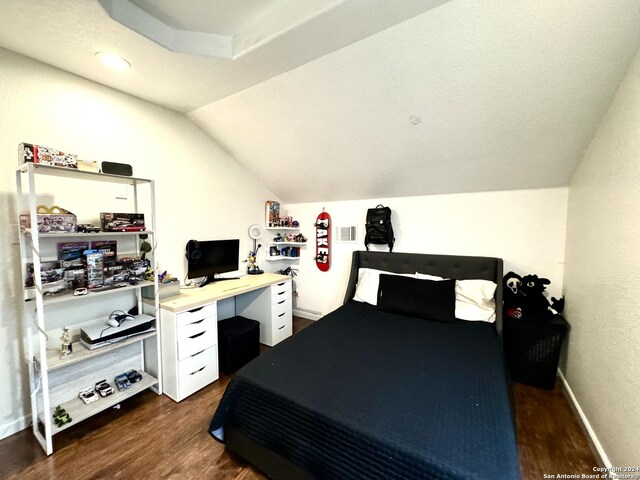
(284, 243)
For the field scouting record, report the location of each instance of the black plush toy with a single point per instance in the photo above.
(524, 296)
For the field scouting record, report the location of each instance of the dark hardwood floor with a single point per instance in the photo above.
(153, 437)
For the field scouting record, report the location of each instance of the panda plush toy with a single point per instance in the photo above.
(524, 297)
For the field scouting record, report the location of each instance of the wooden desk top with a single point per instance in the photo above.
(196, 297)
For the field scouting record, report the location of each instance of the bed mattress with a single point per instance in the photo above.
(364, 394)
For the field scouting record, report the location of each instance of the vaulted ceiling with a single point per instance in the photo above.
(342, 99)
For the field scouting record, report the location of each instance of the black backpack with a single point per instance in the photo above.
(378, 227)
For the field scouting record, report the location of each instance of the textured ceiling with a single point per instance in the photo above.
(470, 96)
(67, 33)
(366, 98)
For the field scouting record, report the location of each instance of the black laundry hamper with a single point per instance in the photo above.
(532, 348)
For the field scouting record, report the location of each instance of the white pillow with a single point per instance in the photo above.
(368, 283)
(426, 276)
(474, 298)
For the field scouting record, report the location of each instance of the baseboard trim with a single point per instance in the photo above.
(8, 429)
(599, 449)
(308, 314)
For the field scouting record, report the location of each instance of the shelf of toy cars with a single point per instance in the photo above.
(79, 411)
(81, 353)
(74, 173)
(83, 236)
(68, 296)
(275, 258)
(291, 229)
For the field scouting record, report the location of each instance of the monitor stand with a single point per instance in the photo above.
(212, 278)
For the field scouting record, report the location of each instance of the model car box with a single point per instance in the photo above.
(28, 152)
(122, 222)
(71, 254)
(50, 220)
(50, 272)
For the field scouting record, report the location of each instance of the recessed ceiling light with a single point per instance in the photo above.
(113, 61)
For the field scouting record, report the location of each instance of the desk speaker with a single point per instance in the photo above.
(115, 168)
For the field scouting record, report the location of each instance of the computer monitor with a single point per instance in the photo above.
(211, 257)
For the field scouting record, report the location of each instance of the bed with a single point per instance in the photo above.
(366, 393)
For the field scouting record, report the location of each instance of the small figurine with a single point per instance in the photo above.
(67, 347)
(252, 266)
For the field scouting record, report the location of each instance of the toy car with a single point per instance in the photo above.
(133, 376)
(127, 227)
(87, 228)
(122, 382)
(60, 416)
(88, 395)
(104, 389)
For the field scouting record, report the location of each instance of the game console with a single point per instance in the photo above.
(101, 334)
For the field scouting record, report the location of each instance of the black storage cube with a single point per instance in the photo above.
(532, 347)
(238, 342)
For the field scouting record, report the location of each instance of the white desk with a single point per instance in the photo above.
(190, 330)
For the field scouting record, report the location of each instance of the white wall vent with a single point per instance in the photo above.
(348, 233)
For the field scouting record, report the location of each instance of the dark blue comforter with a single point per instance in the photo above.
(364, 394)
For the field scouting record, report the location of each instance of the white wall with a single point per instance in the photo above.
(602, 277)
(526, 228)
(202, 192)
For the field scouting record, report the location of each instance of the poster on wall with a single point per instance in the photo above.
(272, 213)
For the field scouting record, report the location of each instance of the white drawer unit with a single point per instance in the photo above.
(272, 307)
(189, 350)
(197, 371)
(196, 336)
(190, 326)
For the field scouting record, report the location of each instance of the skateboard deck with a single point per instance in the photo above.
(323, 241)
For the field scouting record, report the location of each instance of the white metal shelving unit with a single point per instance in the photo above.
(55, 380)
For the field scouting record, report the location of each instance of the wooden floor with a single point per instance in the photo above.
(153, 437)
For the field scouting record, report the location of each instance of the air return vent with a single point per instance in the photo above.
(347, 233)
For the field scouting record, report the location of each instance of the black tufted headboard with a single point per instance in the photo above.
(448, 266)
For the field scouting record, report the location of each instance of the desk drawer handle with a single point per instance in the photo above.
(280, 303)
(198, 334)
(281, 327)
(281, 293)
(281, 284)
(198, 370)
(195, 323)
(196, 354)
(195, 309)
(282, 314)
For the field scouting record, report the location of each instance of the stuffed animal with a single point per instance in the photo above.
(513, 297)
(535, 303)
(524, 296)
